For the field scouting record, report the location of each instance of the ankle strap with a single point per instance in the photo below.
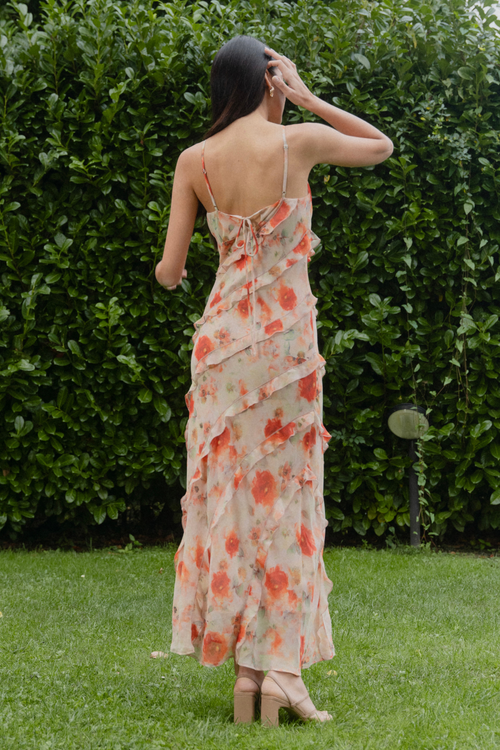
(297, 703)
(247, 677)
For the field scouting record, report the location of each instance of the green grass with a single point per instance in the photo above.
(418, 657)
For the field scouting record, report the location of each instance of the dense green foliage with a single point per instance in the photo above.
(98, 98)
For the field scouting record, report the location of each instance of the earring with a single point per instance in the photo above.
(271, 91)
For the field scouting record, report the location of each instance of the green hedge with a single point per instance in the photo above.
(98, 98)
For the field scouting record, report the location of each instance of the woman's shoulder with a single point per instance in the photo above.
(301, 133)
(191, 152)
(298, 136)
(308, 140)
(189, 159)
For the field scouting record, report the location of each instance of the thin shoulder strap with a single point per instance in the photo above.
(285, 165)
(285, 169)
(205, 174)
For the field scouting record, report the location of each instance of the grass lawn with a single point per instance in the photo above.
(417, 636)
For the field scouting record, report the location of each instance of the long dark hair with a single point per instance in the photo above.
(237, 80)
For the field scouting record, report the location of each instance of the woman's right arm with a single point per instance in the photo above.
(350, 142)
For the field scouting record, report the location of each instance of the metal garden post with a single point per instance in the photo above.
(408, 421)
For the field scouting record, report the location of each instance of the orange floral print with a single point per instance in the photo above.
(203, 347)
(265, 310)
(260, 560)
(241, 263)
(285, 472)
(287, 297)
(220, 584)
(274, 327)
(190, 403)
(237, 479)
(286, 431)
(254, 534)
(243, 308)
(221, 442)
(271, 426)
(215, 299)
(306, 541)
(236, 621)
(282, 213)
(302, 647)
(276, 642)
(241, 634)
(276, 582)
(199, 555)
(264, 488)
(303, 247)
(206, 390)
(223, 336)
(214, 648)
(309, 439)
(307, 387)
(232, 544)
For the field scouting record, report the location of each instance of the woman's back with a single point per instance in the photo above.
(245, 164)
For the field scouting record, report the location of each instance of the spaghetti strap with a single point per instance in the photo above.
(205, 174)
(285, 164)
(285, 169)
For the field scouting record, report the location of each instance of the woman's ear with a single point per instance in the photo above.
(268, 79)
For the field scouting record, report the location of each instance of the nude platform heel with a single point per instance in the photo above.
(271, 704)
(244, 704)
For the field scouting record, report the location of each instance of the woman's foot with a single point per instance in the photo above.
(289, 688)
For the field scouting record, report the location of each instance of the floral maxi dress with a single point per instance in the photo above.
(250, 578)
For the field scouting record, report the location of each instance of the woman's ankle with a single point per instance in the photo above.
(285, 675)
(243, 671)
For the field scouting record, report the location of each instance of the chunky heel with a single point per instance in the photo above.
(244, 708)
(244, 700)
(269, 710)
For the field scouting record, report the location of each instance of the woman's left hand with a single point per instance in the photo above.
(184, 276)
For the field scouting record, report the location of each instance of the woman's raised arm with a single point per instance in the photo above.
(350, 142)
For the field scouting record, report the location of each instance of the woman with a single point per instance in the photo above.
(250, 579)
